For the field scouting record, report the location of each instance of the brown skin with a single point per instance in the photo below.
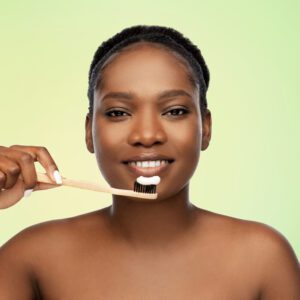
(165, 249)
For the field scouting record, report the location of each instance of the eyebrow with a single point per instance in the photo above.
(163, 95)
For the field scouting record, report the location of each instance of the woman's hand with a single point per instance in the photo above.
(18, 174)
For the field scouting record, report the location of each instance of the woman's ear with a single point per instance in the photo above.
(206, 129)
(88, 134)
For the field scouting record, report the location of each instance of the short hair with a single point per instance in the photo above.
(172, 39)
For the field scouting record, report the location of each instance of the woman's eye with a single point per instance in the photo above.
(115, 113)
(177, 112)
(173, 112)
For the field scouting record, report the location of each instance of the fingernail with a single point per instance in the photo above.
(27, 193)
(57, 177)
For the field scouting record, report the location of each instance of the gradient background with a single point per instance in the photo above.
(249, 171)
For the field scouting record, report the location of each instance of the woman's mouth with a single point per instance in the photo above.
(148, 168)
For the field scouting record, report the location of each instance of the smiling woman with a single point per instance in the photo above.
(148, 115)
(158, 115)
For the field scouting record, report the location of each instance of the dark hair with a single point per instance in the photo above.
(166, 36)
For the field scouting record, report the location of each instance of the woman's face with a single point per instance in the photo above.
(146, 105)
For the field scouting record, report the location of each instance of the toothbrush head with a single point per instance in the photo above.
(146, 184)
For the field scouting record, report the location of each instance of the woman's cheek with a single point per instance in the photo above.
(106, 139)
(108, 134)
(188, 141)
(187, 136)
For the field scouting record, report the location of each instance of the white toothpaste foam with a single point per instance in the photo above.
(148, 180)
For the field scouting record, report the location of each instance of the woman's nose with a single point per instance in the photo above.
(147, 130)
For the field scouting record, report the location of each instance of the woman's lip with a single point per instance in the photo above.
(149, 171)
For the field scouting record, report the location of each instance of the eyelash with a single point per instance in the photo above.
(185, 111)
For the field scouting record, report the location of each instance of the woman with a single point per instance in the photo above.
(147, 92)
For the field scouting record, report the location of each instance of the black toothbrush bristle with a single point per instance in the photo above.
(147, 189)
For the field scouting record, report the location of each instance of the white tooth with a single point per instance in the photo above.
(139, 164)
(157, 163)
(145, 164)
(152, 164)
(162, 162)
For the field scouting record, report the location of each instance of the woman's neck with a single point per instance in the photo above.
(153, 224)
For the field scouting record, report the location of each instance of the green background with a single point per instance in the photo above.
(249, 171)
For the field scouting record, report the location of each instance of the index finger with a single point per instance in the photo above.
(42, 155)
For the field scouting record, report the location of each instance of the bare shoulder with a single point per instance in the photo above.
(267, 240)
(264, 240)
(263, 252)
(51, 236)
(277, 260)
(32, 253)
(256, 235)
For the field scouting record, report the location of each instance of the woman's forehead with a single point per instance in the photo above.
(144, 63)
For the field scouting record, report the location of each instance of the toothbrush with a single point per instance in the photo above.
(144, 187)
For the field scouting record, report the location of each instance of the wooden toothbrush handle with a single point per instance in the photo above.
(75, 183)
(86, 185)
